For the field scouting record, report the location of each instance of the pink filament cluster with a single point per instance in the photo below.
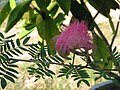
(74, 36)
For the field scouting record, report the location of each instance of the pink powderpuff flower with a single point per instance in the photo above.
(75, 36)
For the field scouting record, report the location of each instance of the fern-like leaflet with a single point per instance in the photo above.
(8, 49)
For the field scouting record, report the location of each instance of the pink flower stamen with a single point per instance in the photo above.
(74, 36)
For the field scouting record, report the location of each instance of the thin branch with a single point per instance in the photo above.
(108, 72)
(38, 61)
(101, 7)
(94, 23)
(63, 64)
(87, 67)
(113, 39)
(23, 60)
(73, 58)
(98, 69)
(81, 53)
(101, 34)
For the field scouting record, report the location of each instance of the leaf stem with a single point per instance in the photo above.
(101, 34)
(63, 64)
(94, 23)
(73, 58)
(101, 7)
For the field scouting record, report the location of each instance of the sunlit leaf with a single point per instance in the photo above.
(16, 14)
(12, 4)
(4, 12)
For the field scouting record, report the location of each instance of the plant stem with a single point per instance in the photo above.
(38, 61)
(62, 64)
(73, 58)
(102, 35)
(94, 23)
(101, 7)
(113, 39)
